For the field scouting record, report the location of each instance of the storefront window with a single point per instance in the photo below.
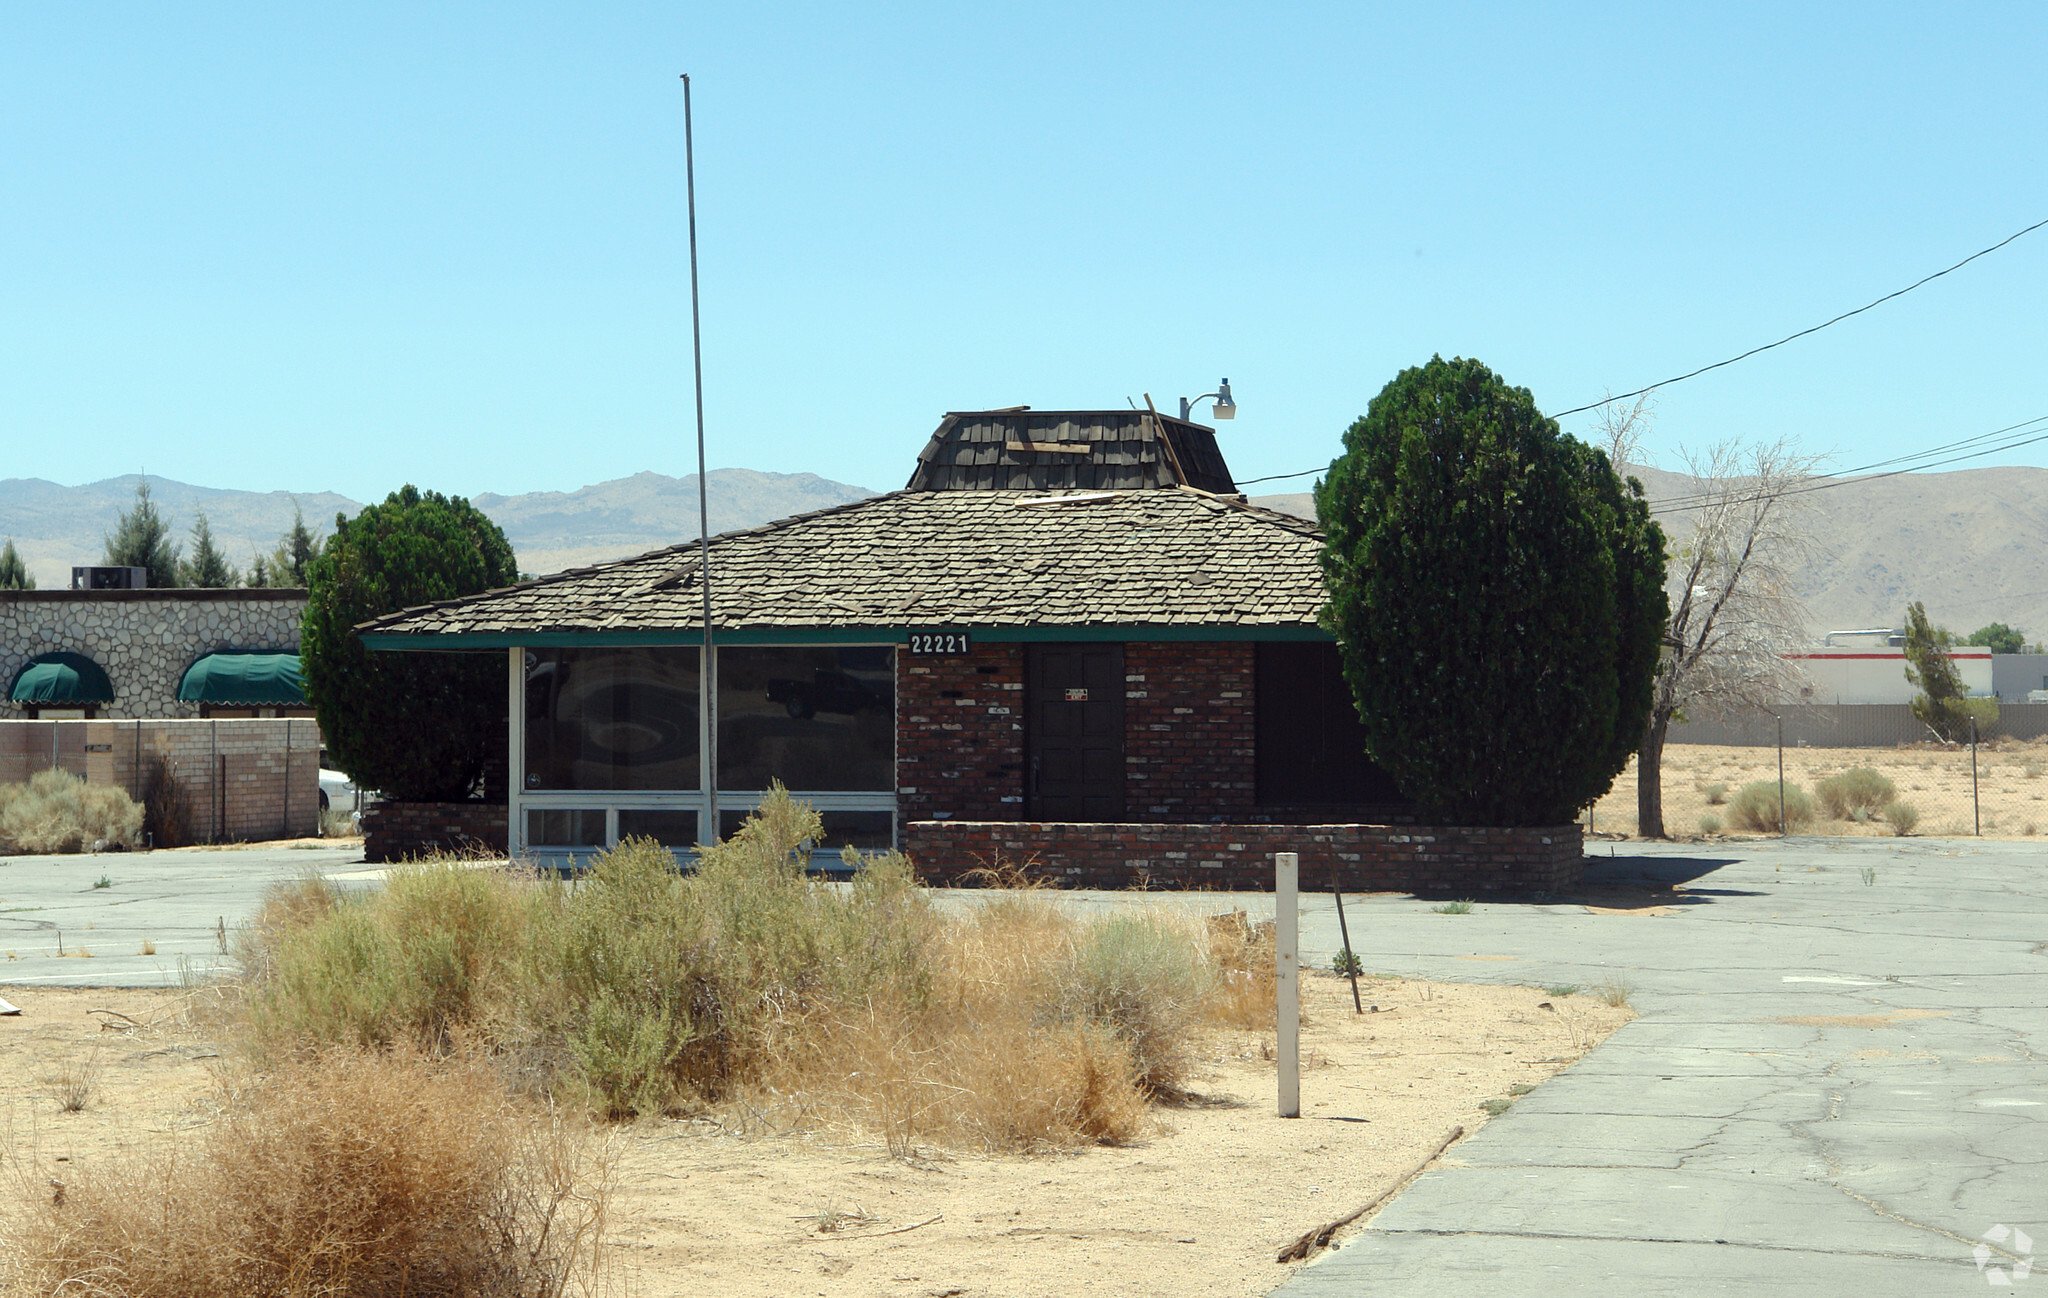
(865, 831)
(612, 719)
(565, 828)
(818, 719)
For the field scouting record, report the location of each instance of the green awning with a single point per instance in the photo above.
(244, 680)
(61, 677)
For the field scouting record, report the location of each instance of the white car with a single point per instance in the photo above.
(337, 792)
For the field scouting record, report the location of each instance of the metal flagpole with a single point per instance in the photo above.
(709, 663)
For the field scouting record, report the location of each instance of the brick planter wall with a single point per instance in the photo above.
(1435, 861)
(400, 831)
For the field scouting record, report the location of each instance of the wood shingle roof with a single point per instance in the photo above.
(1167, 557)
(1086, 450)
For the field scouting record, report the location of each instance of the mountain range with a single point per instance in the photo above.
(55, 527)
(1971, 544)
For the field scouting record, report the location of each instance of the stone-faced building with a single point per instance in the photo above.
(1068, 640)
(149, 653)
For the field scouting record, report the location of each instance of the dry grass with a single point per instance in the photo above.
(57, 811)
(1699, 778)
(750, 992)
(339, 1173)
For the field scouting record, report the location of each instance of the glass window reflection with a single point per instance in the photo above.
(612, 719)
(817, 719)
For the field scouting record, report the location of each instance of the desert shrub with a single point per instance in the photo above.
(415, 962)
(749, 990)
(1141, 976)
(1241, 954)
(1755, 807)
(1858, 789)
(1710, 824)
(166, 803)
(1902, 817)
(340, 1173)
(1716, 794)
(57, 811)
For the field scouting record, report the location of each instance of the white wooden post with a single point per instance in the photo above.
(1287, 976)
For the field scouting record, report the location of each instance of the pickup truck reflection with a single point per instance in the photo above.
(829, 690)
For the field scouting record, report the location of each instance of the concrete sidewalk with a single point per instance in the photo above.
(1834, 1087)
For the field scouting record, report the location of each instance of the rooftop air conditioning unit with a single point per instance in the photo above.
(105, 578)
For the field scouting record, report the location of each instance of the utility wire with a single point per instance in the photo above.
(1576, 410)
(1914, 461)
(1804, 332)
(1831, 483)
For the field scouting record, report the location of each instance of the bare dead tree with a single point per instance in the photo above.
(1622, 428)
(1738, 538)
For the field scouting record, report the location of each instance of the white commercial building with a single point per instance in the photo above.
(1876, 673)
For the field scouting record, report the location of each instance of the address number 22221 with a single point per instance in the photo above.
(939, 642)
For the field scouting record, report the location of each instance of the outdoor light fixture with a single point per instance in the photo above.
(1225, 407)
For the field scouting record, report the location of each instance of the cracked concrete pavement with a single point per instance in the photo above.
(59, 928)
(1835, 1085)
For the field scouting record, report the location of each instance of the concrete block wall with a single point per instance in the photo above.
(244, 780)
(1432, 861)
(143, 639)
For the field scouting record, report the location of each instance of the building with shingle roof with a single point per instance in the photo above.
(1067, 623)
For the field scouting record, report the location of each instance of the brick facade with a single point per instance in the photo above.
(1188, 731)
(960, 735)
(1447, 862)
(401, 831)
(1190, 742)
(243, 780)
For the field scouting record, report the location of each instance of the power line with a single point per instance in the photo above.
(1576, 410)
(1907, 459)
(1686, 504)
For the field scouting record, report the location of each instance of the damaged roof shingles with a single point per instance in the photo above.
(1158, 557)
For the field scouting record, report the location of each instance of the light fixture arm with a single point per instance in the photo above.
(1226, 406)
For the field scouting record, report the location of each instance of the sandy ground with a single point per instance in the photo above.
(2012, 793)
(1197, 1208)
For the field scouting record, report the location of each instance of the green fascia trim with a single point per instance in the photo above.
(466, 642)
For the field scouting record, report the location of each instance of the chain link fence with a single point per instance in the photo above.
(1849, 771)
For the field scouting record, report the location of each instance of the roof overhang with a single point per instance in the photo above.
(478, 641)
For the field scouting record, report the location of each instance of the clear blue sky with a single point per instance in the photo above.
(344, 247)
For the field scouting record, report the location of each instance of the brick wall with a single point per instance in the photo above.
(1448, 862)
(1188, 731)
(244, 780)
(401, 831)
(960, 735)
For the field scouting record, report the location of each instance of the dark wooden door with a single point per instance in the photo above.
(1074, 727)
